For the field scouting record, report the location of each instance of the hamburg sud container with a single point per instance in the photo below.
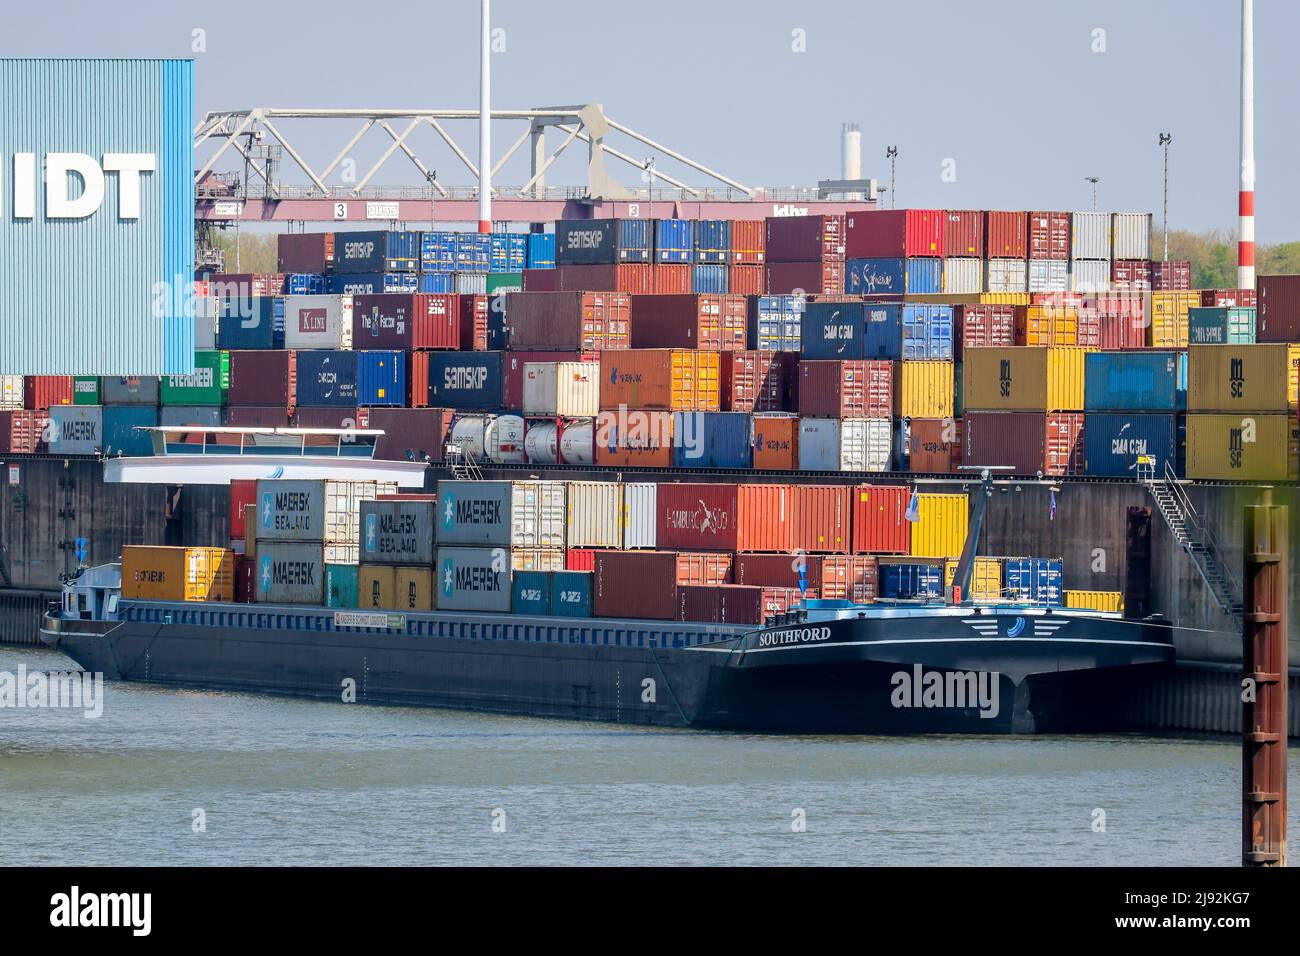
(1135, 381)
(1242, 447)
(289, 572)
(804, 238)
(668, 379)
(895, 233)
(570, 389)
(569, 320)
(1005, 235)
(518, 514)
(327, 377)
(1024, 379)
(712, 322)
(850, 444)
(464, 380)
(854, 389)
(927, 332)
(209, 384)
(397, 532)
(602, 241)
(1241, 378)
(1049, 235)
(712, 440)
(775, 322)
(1030, 442)
(361, 252)
(634, 584)
(473, 579)
(318, 322)
(696, 517)
(75, 430)
(1113, 441)
(894, 276)
(419, 320)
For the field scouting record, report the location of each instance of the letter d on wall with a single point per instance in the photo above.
(58, 204)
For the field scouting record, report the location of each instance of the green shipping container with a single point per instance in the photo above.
(505, 282)
(207, 386)
(340, 585)
(85, 390)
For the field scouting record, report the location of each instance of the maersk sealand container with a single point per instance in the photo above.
(833, 330)
(1133, 381)
(377, 251)
(603, 241)
(1112, 442)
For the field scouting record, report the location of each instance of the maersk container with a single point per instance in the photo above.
(328, 377)
(473, 579)
(927, 332)
(210, 416)
(1135, 381)
(522, 514)
(1036, 580)
(304, 283)
(250, 323)
(437, 283)
(290, 572)
(1113, 441)
(603, 241)
(341, 585)
(377, 251)
(1008, 275)
(850, 444)
(1090, 235)
(1089, 275)
(373, 283)
(711, 440)
(712, 242)
(709, 278)
(76, 430)
(438, 252)
(120, 436)
(907, 582)
(541, 250)
(640, 514)
(963, 276)
(571, 593)
(833, 330)
(674, 240)
(398, 532)
(381, 378)
(1049, 275)
(318, 322)
(1220, 325)
(207, 385)
(1132, 235)
(775, 322)
(530, 592)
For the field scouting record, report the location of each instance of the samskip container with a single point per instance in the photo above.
(465, 380)
(775, 322)
(372, 283)
(603, 241)
(362, 252)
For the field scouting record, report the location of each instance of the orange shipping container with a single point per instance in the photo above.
(849, 577)
(764, 517)
(1047, 325)
(748, 243)
(880, 522)
(745, 280)
(780, 600)
(634, 439)
(698, 567)
(776, 442)
(683, 380)
(670, 278)
(822, 518)
(42, 391)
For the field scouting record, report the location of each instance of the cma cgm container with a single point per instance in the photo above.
(318, 322)
(893, 276)
(378, 251)
(835, 330)
(776, 442)
(415, 321)
(209, 384)
(927, 332)
(822, 276)
(1049, 235)
(1113, 441)
(1278, 301)
(775, 322)
(473, 579)
(1240, 447)
(710, 322)
(397, 532)
(696, 517)
(1024, 379)
(1241, 378)
(464, 380)
(1220, 325)
(963, 234)
(668, 379)
(804, 238)
(569, 320)
(372, 283)
(305, 252)
(895, 233)
(634, 584)
(327, 378)
(852, 389)
(711, 440)
(1030, 442)
(121, 436)
(1135, 381)
(603, 241)
(1005, 235)
(75, 430)
(850, 444)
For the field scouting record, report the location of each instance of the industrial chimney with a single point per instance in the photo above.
(851, 154)
(1246, 199)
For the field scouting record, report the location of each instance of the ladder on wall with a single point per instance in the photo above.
(461, 463)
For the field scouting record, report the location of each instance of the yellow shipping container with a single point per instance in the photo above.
(536, 559)
(1048, 325)
(178, 574)
(697, 381)
(940, 528)
(985, 578)
(1004, 298)
(250, 531)
(1240, 378)
(924, 390)
(1023, 378)
(943, 298)
(1095, 600)
(376, 587)
(414, 589)
(1243, 447)
(1168, 329)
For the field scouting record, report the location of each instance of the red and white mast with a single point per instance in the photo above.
(485, 127)
(1246, 199)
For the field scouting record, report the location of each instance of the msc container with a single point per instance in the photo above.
(209, 383)
(381, 378)
(760, 381)
(669, 379)
(720, 604)
(327, 378)
(709, 322)
(804, 238)
(1005, 235)
(1023, 379)
(1135, 381)
(1278, 302)
(595, 513)
(602, 241)
(397, 532)
(75, 430)
(934, 445)
(151, 573)
(880, 522)
(634, 438)
(466, 380)
(413, 589)
(712, 440)
(571, 593)
(822, 276)
(963, 275)
(837, 330)
(1242, 447)
(362, 252)
(909, 582)
(850, 444)
(1036, 580)
(776, 442)
(263, 378)
(1049, 236)
(530, 592)
(1048, 275)
(1132, 235)
(341, 585)
(765, 517)
(372, 283)
(775, 322)
(85, 390)
(634, 584)
(1245, 378)
(569, 320)
(640, 514)
(927, 332)
(696, 517)
(939, 530)
(1030, 442)
(129, 389)
(541, 250)
(289, 572)
(304, 252)
(1090, 235)
(882, 233)
(1222, 325)
(1090, 275)
(1113, 442)
(473, 579)
(120, 433)
(1008, 275)
(924, 390)
(377, 587)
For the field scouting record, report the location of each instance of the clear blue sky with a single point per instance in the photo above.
(1011, 90)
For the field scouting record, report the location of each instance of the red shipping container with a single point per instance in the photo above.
(721, 604)
(776, 442)
(745, 280)
(708, 322)
(634, 584)
(803, 239)
(895, 234)
(778, 570)
(22, 431)
(513, 371)
(323, 416)
(1049, 235)
(696, 517)
(580, 559)
(264, 378)
(1130, 274)
(850, 577)
(985, 326)
(790, 278)
(846, 389)
(963, 233)
(764, 517)
(410, 434)
(699, 567)
(1030, 442)
(245, 579)
(748, 243)
(633, 278)
(880, 522)
(257, 416)
(541, 280)
(1005, 235)
(311, 252)
(822, 518)
(780, 600)
(1170, 276)
(474, 321)
(934, 445)
(1244, 298)
(228, 285)
(243, 491)
(1119, 320)
(569, 320)
(406, 320)
(760, 381)
(1278, 305)
(638, 439)
(670, 278)
(42, 391)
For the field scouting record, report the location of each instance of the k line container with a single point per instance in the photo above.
(710, 322)
(473, 579)
(712, 440)
(177, 574)
(289, 572)
(1024, 379)
(640, 514)
(569, 320)
(570, 389)
(1113, 442)
(397, 532)
(595, 513)
(1030, 442)
(941, 525)
(1242, 447)
(696, 517)
(635, 584)
(1135, 381)
(75, 430)
(666, 379)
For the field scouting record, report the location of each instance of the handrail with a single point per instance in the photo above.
(1204, 534)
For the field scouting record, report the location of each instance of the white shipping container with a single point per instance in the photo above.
(640, 504)
(1049, 275)
(343, 512)
(1090, 235)
(595, 514)
(471, 283)
(963, 275)
(571, 389)
(537, 514)
(342, 553)
(1089, 275)
(11, 391)
(536, 559)
(1007, 275)
(318, 321)
(205, 322)
(865, 444)
(1132, 235)
(498, 438)
(578, 442)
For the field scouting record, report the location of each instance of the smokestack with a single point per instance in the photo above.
(1246, 199)
(851, 154)
(485, 128)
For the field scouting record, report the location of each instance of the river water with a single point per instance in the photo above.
(192, 777)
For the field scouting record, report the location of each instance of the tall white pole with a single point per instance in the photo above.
(1246, 200)
(485, 128)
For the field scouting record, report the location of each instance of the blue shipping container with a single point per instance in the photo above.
(327, 377)
(473, 251)
(775, 322)
(711, 440)
(571, 593)
(438, 251)
(882, 333)
(381, 378)
(541, 250)
(304, 283)
(250, 323)
(377, 251)
(833, 330)
(466, 380)
(119, 434)
(713, 240)
(508, 252)
(1112, 442)
(708, 278)
(1221, 325)
(674, 240)
(927, 332)
(341, 585)
(903, 582)
(437, 282)
(373, 283)
(1034, 580)
(602, 241)
(1133, 381)
(875, 276)
(530, 592)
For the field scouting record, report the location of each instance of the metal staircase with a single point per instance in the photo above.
(1194, 535)
(461, 463)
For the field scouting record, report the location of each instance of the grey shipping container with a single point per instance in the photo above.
(474, 512)
(289, 572)
(473, 579)
(290, 510)
(76, 429)
(397, 532)
(192, 415)
(129, 390)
